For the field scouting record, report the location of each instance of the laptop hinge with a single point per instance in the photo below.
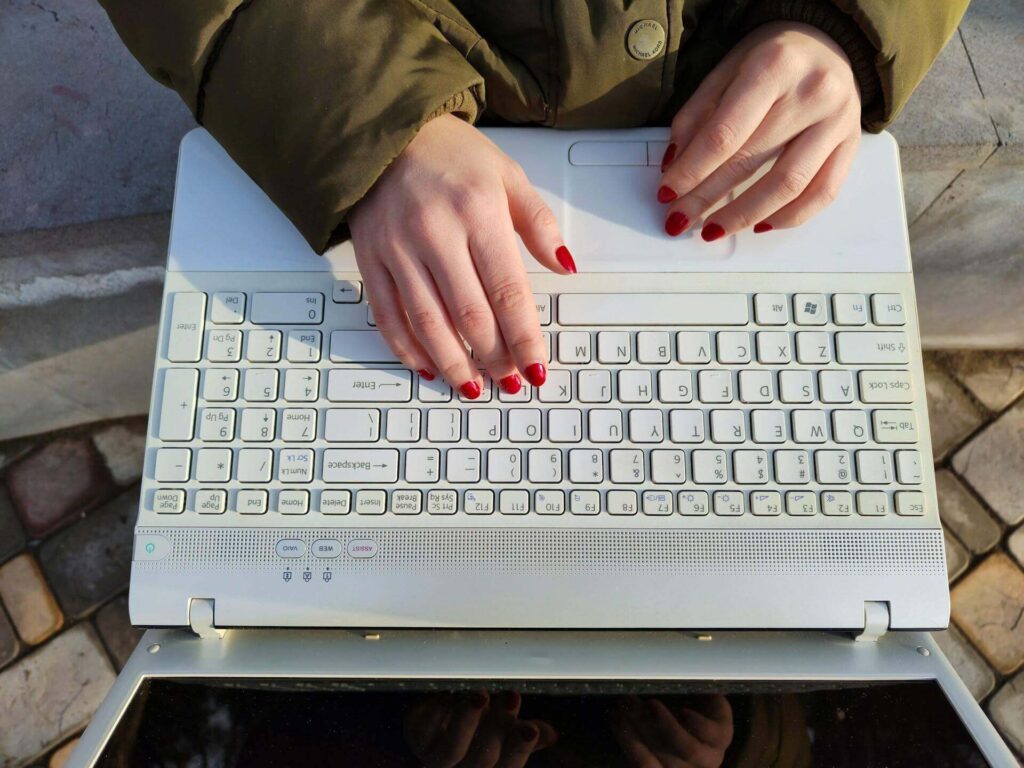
(876, 622)
(200, 618)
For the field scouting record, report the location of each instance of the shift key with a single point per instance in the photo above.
(853, 347)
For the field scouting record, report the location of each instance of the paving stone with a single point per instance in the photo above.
(1016, 545)
(993, 463)
(63, 479)
(12, 536)
(50, 695)
(117, 631)
(60, 758)
(996, 378)
(988, 605)
(1007, 711)
(29, 600)
(964, 515)
(89, 562)
(123, 447)
(972, 669)
(8, 640)
(951, 413)
(957, 557)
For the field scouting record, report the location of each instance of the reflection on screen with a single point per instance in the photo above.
(392, 724)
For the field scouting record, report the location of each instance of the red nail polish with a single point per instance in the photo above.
(470, 389)
(666, 194)
(511, 384)
(762, 226)
(711, 232)
(478, 699)
(668, 157)
(536, 374)
(527, 732)
(425, 374)
(676, 223)
(565, 258)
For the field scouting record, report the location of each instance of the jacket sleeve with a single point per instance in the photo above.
(313, 99)
(891, 44)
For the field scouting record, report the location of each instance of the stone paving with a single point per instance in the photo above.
(67, 506)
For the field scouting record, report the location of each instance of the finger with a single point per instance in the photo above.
(787, 179)
(474, 316)
(674, 735)
(434, 330)
(452, 744)
(520, 742)
(391, 319)
(423, 722)
(485, 750)
(698, 108)
(706, 730)
(509, 294)
(740, 111)
(536, 224)
(820, 193)
(636, 752)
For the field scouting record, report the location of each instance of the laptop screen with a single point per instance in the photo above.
(394, 723)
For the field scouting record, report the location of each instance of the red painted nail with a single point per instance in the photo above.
(478, 699)
(536, 374)
(668, 157)
(676, 223)
(425, 374)
(666, 194)
(762, 226)
(511, 384)
(470, 389)
(565, 258)
(527, 732)
(711, 232)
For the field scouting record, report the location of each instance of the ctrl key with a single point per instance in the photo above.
(169, 501)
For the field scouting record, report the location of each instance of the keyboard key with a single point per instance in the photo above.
(836, 503)
(301, 385)
(169, 501)
(211, 502)
(849, 309)
(479, 502)
(668, 466)
(227, 308)
(832, 466)
(586, 465)
(360, 347)
(766, 503)
(653, 347)
(172, 465)
(872, 348)
(836, 386)
(543, 303)
(462, 465)
(504, 465)
(657, 503)
(594, 387)
(809, 426)
(885, 387)
(557, 388)
(626, 466)
(888, 309)
(849, 426)
(565, 425)
(809, 309)
(874, 467)
(873, 503)
(347, 292)
(894, 426)
(750, 467)
(910, 503)
(251, 502)
(263, 346)
(629, 309)
(352, 425)
(422, 465)
(549, 502)
(908, 467)
(792, 467)
(801, 503)
(217, 425)
(178, 404)
(733, 347)
(287, 308)
(375, 385)
(774, 347)
(646, 426)
(220, 385)
(293, 502)
(335, 502)
(260, 385)
(442, 502)
(614, 347)
(303, 347)
(729, 503)
(295, 465)
(813, 348)
(404, 425)
(573, 347)
(444, 425)
(686, 426)
(514, 502)
(213, 465)
(709, 467)
(676, 386)
(255, 465)
(715, 386)
(728, 426)
(185, 338)
(584, 502)
(544, 465)
(757, 386)
(768, 426)
(372, 502)
(434, 391)
(360, 465)
(605, 426)
(796, 386)
(693, 347)
(258, 425)
(693, 503)
(407, 502)
(622, 503)
(636, 386)
(524, 425)
(224, 346)
(771, 308)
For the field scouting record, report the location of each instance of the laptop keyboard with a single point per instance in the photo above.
(782, 408)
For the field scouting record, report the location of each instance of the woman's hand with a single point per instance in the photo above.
(653, 736)
(435, 240)
(474, 730)
(785, 88)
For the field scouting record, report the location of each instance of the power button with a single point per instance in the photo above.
(151, 546)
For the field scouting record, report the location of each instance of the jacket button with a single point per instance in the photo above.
(645, 40)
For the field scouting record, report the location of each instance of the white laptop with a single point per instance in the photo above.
(732, 436)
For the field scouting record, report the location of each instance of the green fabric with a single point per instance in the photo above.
(314, 99)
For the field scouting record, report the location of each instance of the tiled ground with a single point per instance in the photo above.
(67, 505)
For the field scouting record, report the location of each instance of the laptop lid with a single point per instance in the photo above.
(401, 698)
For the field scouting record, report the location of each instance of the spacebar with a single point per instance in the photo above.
(652, 309)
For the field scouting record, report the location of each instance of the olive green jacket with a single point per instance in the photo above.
(314, 98)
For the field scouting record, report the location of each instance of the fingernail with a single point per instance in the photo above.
(565, 258)
(470, 389)
(676, 223)
(527, 732)
(478, 699)
(666, 194)
(425, 374)
(711, 232)
(509, 700)
(511, 384)
(668, 157)
(762, 226)
(536, 374)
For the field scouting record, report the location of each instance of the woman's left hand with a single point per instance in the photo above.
(786, 91)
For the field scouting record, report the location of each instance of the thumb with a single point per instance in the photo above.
(536, 224)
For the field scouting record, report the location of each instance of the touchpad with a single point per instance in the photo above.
(614, 222)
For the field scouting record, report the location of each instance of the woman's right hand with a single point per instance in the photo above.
(435, 240)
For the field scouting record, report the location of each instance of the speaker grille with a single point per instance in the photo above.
(561, 550)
